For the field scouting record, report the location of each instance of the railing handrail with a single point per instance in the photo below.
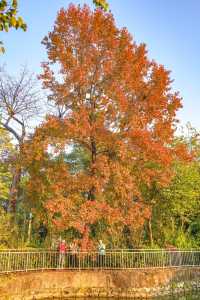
(19, 260)
(107, 249)
(93, 251)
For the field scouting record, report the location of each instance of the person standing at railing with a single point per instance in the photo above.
(42, 233)
(174, 256)
(73, 247)
(101, 254)
(62, 251)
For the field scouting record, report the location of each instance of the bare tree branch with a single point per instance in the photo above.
(20, 102)
(11, 130)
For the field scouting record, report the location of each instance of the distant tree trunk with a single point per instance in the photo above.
(91, 193)
(16, 178)
(172, 225)
(182, 222)
(14, 190)
(29, 229)
(150, 232)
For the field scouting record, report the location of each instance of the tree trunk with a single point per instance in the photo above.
(29, 230)
(172, 225)
(150, 232)
(91, 193)
(14, 190)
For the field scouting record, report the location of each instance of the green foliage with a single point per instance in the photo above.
(176, 208)
(101, 4)
(183, 240)
(184, 191)
(9, 18)
(77, 159)
(6, 150)
(8, 231)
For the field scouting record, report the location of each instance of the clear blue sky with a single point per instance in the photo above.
(170, 28)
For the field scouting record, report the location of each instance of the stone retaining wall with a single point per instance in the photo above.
(137, 284)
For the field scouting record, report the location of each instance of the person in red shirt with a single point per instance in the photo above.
(62, 251)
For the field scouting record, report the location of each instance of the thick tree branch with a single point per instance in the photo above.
(12, 131)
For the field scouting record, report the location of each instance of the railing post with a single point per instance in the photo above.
(193, 264)
(122, 259)
(8, 264)
(170, 258)
(79, 260)
(163, 259)
(43, 266)
(26, 261)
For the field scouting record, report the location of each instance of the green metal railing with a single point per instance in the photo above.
(16, 261)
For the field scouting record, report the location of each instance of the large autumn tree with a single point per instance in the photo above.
(115, 105)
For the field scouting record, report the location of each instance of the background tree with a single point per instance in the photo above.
(6, 151)
(175, 208)
(19, 109)
(8, 232)
(9, 18)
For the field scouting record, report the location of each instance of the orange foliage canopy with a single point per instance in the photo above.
(115, 104)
